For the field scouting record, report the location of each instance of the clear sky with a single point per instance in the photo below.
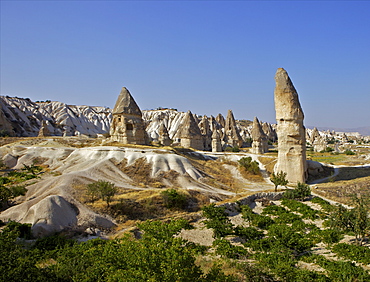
(203, 56)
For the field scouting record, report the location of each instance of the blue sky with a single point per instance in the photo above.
(203, 56)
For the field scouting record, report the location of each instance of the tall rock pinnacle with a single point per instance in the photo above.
(290, 130)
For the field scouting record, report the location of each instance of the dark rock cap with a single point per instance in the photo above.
(126, 104)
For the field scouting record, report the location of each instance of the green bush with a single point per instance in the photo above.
(234, 149)
(174, 199)
(249, 165)
(349, 152)
(306, 211)
(248, 233)
(257, 220)
(54, 242)
(325, 205)
(353, 252)
(218, 220)
(225, 249)
(301, 191)
(23, 230)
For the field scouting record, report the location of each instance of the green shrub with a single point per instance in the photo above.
(248, 233)
(301, 191)
(218, 220)
(349, 152)
(4, 180)
(325, 205)
(225, 249)
(23, 230)
(174, 199)
(257, 220)
(249, 165)
(327, 236)
(353, 252)
(305, 210)
(234, 149)
(53, 242)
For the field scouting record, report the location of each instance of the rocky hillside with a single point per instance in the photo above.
(22, 117)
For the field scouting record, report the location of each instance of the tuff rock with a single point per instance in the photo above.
(290, 130)
(127, 124)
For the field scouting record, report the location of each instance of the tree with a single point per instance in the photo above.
(104, 190)
(354, 220)
(279, 179)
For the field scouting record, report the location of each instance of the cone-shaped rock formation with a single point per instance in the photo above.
(127, 124)
(259, 145)
(290, 130)
(189, 133)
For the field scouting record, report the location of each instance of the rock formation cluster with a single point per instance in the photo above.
(290, 130)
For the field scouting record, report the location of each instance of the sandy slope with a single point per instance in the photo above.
(51, 204)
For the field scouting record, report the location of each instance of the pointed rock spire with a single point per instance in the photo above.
(231, 133)
(127, 125)
(259, 145)
(290, 130)
(126, 104)
(189, 133)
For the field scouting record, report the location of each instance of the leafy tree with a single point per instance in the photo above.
(279, 179)
(354, 220)
(104, 190)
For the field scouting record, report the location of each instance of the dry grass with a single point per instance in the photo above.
(268, 162)
(140, 172)
(251, 176)
(341, 191)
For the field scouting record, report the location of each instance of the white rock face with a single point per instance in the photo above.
(172, 119)
(26, 117)
(50, 205)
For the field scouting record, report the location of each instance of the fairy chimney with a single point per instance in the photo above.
(205, 129)
(127, 124)
(189, 133)
(259, 145)
(231, 133)
(163, 138)
(220, 119)
(44, 131)
(290, 130)
(216, 142)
